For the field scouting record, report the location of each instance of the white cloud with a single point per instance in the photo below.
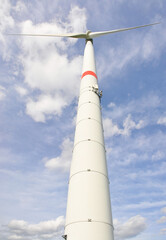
(138, 149)
(7, 22)
(111, 105)
(163, 210)
(2, 93)
(63, 161)
(45, 106)
(44, 230)
(162, 121)
(110, 129)
(158, 156)
(131, 228)
(6, 19)
(162, 219)
(77, 19)
(20, 7)
(140, 105)
(143, 205)
(52, 72)
(21, 90)
(128, 125)
(47, 66)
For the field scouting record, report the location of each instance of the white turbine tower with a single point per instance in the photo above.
(88, 209)
(88, 214)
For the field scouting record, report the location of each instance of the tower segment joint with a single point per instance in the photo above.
(90, 170)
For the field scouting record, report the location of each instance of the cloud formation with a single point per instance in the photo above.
(2, 93)
(162, 121)
(45, 106)
(128, 125)
(131, 228)
(7, 22)
(44, 230)
(163, 210)
(49, 69)
(142, 46)
(158, 155)
(63, 161)
(21, 90)
(139, 106)
(162, 221)
(50, 73)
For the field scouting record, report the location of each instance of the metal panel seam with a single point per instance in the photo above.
(89, 140)
(89, 170)
(90, 221)
(88, 102)
(89, 119)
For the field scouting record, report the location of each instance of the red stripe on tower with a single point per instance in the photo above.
(89, 73)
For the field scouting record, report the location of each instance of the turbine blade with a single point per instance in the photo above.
(98, 34)
(71, 35)
(87, 35)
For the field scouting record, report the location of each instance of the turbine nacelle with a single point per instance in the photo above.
(87, 34)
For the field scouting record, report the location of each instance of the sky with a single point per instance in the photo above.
(39, 89)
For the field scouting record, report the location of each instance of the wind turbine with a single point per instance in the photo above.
(88, 214)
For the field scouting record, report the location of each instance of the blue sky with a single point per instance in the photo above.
(39, 87)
